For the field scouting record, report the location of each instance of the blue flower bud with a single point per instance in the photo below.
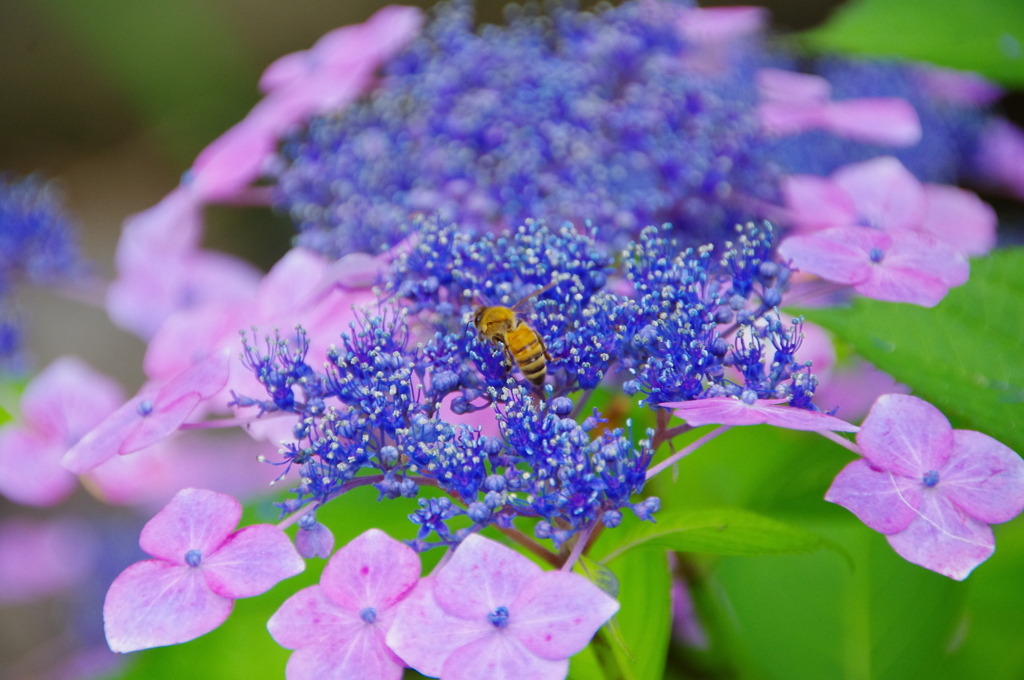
(494, 483)
(723, 315)
(561, 406)
(389, 455)
(611, 518)
(478, 512)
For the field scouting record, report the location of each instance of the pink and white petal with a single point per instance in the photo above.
(190, 335)
(384, 34)
(902, 284)
(234, 160)
(501, 656)
(853, 386)
(984, 478)
(885, 502)
(30, 469)
(195, 519)
(922, 252)
(481, 576)
(423, 635)
(839, 254)
(944, 539)
(373, 570)
(69, 398)
(906, 435)
(290, 283)
(960, 218)
(153, 604)
(817, 202)
(361, 656)
(557, 614)
(779, 85)
(170, 229)
(733, 411)
(251, 561)
(886, 194)
(205, 378)
(309, 616)
(889, 121)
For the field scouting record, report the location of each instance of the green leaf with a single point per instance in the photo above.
(982, 35)
(965, 356)
(645, 617)
(810, 617)
(724, 531)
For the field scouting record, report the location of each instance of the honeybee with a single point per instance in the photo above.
(522, 345)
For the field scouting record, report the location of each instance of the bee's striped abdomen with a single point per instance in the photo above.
(526, 346)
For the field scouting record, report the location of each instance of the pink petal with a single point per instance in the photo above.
(840, 254)
(285, 70)
(852, 387)
(557, 614)
(251, 561)
(926, 254)
(905, 435)
(887, 196)
(235, 160)
(894, 284)
(30, 469)
(712, 25)
(361, 656)
(885, 502)
(104, 441)
(958, 87)
(69, 398)
(176, 401)
(424, 635)
(888, 121)
(190, 335)
(783, 119)
(500, 656)
(944, 539)
(983, 478)
(195, 519)
(374, 570)
(385, 33)
(778, 85)
(960, 218)
(290, 283)
(481, 576)
(172, 228)
(1000, 148)
(308, 617)
(153, 604)
(817, 202)
(733, 411)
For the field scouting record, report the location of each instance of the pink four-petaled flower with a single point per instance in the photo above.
(202, 566)
(492, 613)
(931, 489)
(337, 628)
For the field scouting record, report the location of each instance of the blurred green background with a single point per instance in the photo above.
(115, 97)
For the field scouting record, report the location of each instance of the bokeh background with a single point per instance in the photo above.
(113, 98)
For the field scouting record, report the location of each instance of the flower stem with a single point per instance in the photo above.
(531, 545)
(581, 541)
(676, 457)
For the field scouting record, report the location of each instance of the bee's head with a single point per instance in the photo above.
(479, 316)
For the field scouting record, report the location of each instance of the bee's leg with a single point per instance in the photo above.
(509, 362)
(544, 347)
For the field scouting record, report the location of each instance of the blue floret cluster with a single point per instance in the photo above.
(38, 245)
(574, 115)
(665, 323)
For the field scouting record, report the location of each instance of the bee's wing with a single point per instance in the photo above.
(519, 306)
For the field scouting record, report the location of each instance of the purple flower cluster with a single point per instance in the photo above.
(38, 244)
(391, 408)
(570, 116)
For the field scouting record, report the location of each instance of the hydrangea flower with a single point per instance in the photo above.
(338, 628)
(930, 489)
(897, 266)
(58, 407)
(201, 566)
(490, 612)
